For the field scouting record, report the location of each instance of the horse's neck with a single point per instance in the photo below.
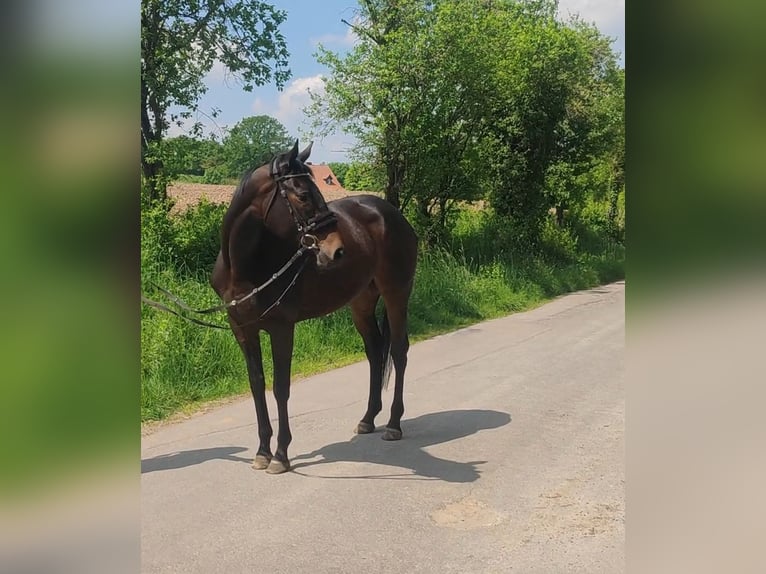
(270, 255)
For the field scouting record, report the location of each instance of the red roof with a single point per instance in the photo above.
(325, 179)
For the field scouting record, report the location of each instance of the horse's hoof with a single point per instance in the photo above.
(277, 466)
(261, 461)
(392, 434)
(364, 428)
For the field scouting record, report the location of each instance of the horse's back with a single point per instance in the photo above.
(366, 208)
(395, 239)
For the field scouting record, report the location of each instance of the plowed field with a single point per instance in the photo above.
(186, 194)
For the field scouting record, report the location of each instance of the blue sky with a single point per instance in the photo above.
(309, 24)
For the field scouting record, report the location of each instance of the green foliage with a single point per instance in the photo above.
(559, 244)
(361, 176)
(157, 237)
(459, 101)
(181, 362)
(197, 236)
(187, 242)
(339, 169)
(251, 142)
(216, 175)
(600, 224)
(181, 40)
(189, 156)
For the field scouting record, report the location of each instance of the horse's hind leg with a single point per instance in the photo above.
(363, 315)
(396, 309)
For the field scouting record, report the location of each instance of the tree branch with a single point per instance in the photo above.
(212, 7)
(379, 41)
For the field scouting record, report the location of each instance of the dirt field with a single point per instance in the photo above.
(187, 194)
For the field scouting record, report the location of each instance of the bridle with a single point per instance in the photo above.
(305, 228)
(307, 242)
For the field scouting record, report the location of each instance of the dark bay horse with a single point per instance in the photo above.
(287, 255)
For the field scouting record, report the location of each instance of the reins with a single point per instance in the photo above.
(234, 302)
(308, 242)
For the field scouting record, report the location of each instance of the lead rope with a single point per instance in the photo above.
(279, 299)
(234, 302)
(180, 303)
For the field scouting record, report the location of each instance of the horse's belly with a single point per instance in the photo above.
(327, 291)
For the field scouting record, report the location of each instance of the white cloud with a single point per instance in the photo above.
(217, 73)
(608, 15)
(291, 101)
(348, 39)
(288, 109)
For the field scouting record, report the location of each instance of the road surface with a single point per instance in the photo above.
(512, 461)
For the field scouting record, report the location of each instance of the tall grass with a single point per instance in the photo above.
(479, 274)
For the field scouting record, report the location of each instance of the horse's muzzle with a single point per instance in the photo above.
(330, 250)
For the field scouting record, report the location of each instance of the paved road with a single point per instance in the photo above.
(512, 461)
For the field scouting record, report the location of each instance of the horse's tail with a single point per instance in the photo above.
(387, 362)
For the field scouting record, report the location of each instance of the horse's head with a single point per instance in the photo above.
(293, 205)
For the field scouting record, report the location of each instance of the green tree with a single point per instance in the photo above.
(187, 155)
(530, 83)
(459, 99)
(252, 142)
(362, 176)
(411, 91)
(180, 42)
(588, 139)
(365, 92)
(449, 64)
(547, 121)
(339, 169)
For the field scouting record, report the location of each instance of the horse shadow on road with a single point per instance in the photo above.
(192, 457)
(419, 432)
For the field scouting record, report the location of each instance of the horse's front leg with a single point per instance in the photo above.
(250, 342)
(282, 354)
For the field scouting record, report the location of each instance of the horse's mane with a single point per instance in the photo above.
(239, 202)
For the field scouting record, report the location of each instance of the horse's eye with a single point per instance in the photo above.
(303, 194)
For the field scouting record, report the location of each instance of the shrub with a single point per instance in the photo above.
(559, 244)
(215, 175)
(157, 238)
(196, 236)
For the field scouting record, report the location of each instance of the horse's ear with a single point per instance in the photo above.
(293, 152)
(304, 155)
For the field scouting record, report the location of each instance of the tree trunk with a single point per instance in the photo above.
(560, 215)
(394, 183)
(614, 195)
(155, 185)
(151, 136)
(615, 187)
